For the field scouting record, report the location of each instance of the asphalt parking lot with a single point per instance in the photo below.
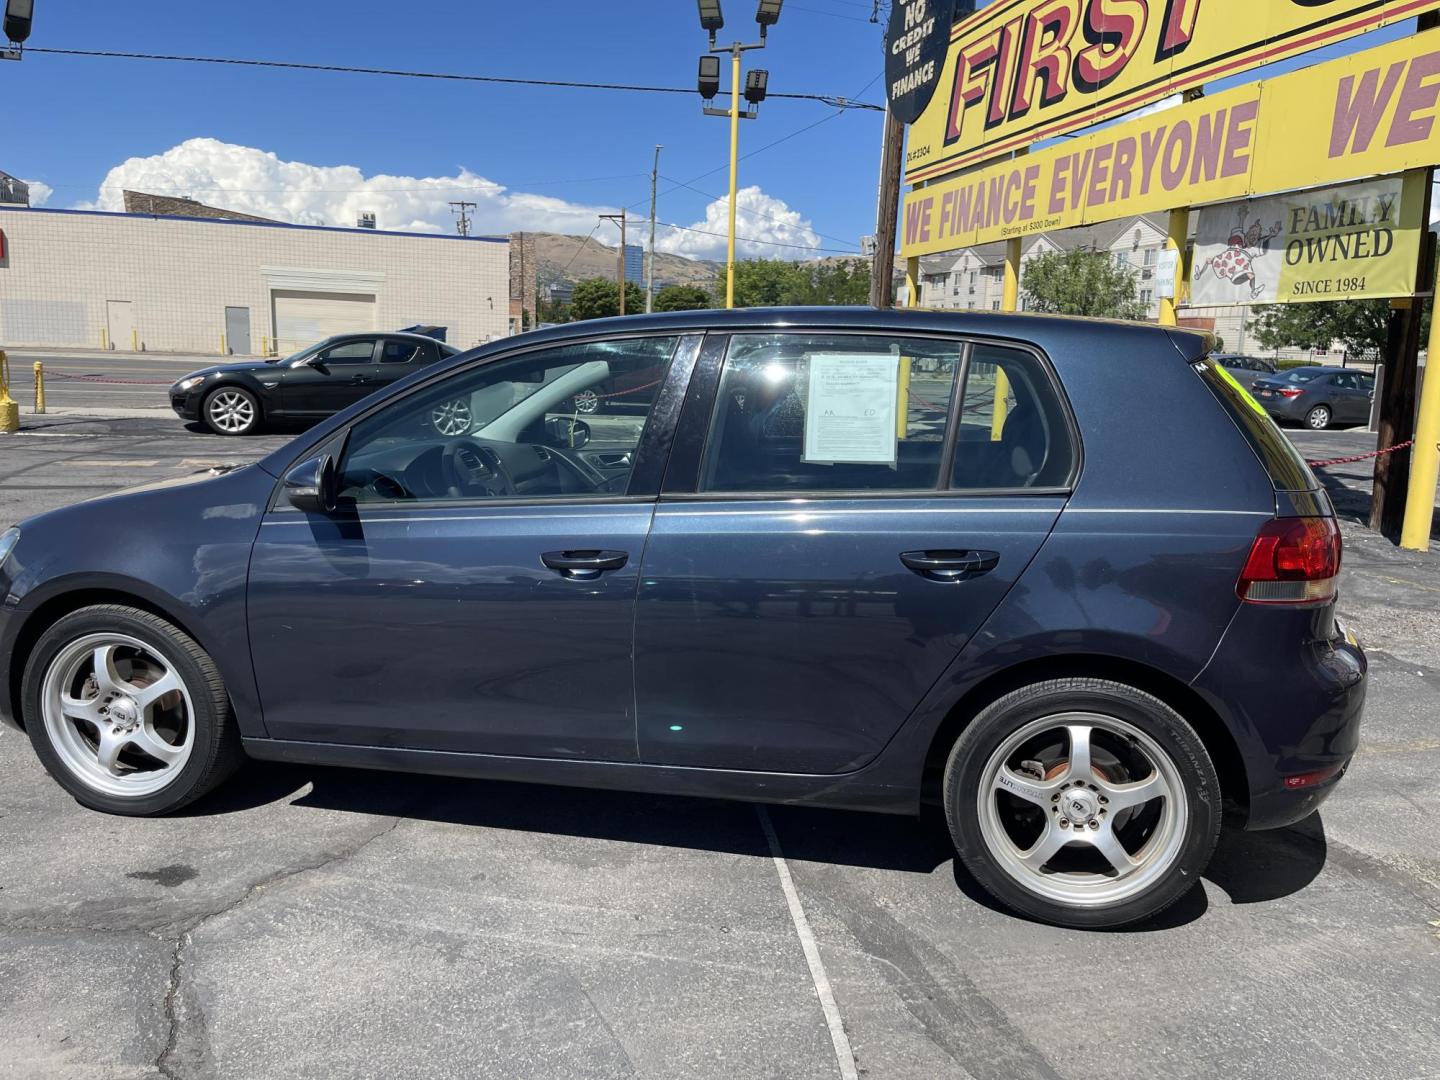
(323, 923)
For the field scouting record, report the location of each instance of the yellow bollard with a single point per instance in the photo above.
(104, 340)
(9, 410)
(134, 340)
(902, 399)
(39, 387)
(222, 344)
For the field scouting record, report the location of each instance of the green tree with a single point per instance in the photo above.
(1081, 282)
(1361, 326)
(683, 298)
(778, 282)
(599, 298)
(762, 283)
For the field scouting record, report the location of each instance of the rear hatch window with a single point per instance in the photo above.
(1287, 469)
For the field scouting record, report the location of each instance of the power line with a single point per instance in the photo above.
(506, 80)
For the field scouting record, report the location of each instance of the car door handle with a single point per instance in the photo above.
(950, 565)
(358, 380)
(584, 565)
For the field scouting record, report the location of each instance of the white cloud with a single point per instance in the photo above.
(40, 192)
(258, 182)
(762, 224)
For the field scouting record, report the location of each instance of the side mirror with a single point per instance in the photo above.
(310, 486)
(566, 433)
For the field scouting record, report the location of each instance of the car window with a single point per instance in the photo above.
(826, 412)
(1301, 375)
(1013, 429)
(1346, 381)
(349, 352)
(400, 351)
(511, 428)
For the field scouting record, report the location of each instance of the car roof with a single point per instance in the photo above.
(1023, 326)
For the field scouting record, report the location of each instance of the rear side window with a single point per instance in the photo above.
(1283, 463)
(1013, 431)
(850, 412)
(823, 412)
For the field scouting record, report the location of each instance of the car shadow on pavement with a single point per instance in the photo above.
(1249, 867)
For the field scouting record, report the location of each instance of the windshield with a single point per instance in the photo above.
(1301, 375)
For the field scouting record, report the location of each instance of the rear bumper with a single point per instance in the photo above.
(1285, 408)
(1290, 686)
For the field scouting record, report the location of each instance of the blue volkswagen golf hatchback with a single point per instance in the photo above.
(848, 558)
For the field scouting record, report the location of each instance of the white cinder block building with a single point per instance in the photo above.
(162, 283)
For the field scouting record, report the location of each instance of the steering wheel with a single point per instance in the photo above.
(471, 469)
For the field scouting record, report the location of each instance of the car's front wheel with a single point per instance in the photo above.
(1318, 418)
(231, 410)
(1082, 802)
(127, 712)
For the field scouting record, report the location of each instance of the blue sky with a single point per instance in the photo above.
(533, 158)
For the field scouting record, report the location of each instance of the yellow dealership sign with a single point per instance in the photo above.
(1341, 243)
(1368, 114)
(1023, 71)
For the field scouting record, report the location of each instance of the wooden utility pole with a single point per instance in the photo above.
(887, 212)
(650, 265)
(619, 219)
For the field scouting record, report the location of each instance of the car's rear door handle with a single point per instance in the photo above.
(950, 565)
(584, 565)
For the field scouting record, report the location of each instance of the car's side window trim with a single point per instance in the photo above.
(456, 372)
(651, 452)
(682, 479)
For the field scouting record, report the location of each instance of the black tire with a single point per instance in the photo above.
(246, 400)
(216, 751)
(984, 736)
(1319, 418)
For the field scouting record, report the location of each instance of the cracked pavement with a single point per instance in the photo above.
(328, 923)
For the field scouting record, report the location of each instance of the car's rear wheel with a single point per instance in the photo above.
(1318, 418)
(1082, 802)
(587, 402)
(231, 410)
(127, 712)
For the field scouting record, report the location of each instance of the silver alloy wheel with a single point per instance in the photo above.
(230, 411)
(1318, 417)
(1080, 857)
(451, 417)
(587, 401)
(118, 715)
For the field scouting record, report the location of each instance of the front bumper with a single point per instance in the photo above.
(186, 406)
(1290, 686)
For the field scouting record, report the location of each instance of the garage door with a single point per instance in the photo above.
(303, 318)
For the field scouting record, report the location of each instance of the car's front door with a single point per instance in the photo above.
(475, 589)
(334, 378)
(862, 503)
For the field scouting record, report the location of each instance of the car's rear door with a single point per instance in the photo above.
(475, 590)
(397, 357)
(841, 513)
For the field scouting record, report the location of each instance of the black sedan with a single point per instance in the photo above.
(238, 399)
(1316, 396)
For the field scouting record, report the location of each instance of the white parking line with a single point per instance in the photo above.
(844, 1056)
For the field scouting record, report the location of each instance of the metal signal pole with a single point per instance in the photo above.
(650, 268)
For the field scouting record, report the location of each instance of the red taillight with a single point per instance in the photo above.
(1291, 391)
(1293, 561)
(1310, 779)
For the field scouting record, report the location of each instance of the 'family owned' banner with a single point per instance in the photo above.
(1341, 243)
(1368, 114)
(1018, 72)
